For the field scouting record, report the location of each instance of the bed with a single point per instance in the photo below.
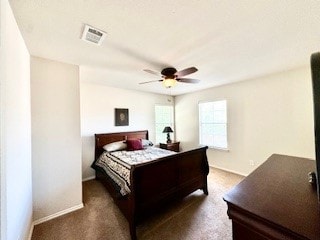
(177, 175)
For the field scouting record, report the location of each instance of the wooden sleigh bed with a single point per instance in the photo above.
(157, 183)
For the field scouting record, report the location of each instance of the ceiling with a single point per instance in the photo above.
(227, 40)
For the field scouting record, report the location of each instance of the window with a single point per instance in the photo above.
(163, 118)
(213, 124)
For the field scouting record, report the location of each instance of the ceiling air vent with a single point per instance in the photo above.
(93, 35)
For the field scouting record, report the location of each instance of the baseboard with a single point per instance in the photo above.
(88, 178)
(31, 231)
(228, 170)
(58, 214)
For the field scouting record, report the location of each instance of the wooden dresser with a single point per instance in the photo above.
(276, 201)
(174, 146)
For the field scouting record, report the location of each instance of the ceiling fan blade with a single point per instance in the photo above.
(186, 71)
(188, 80)
(151, 81)
(152, 72)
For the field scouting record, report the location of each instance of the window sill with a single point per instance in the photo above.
(220, 149)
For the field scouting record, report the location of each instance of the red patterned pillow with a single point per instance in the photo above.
(134, 144)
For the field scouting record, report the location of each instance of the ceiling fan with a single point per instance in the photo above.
(170, 76)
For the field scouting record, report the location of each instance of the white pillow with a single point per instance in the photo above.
(146, 143)
(115, 146)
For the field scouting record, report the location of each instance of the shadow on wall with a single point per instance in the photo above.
(87, 156)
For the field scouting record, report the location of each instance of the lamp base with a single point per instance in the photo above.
(168, 138)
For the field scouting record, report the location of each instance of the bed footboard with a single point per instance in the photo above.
(169, 178)
(156, 184)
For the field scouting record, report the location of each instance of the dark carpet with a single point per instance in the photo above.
(195, 217)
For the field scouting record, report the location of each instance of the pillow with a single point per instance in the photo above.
(134, 144)
(115, 146)
(146, 143)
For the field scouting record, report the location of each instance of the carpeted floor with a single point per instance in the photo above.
(195, 217)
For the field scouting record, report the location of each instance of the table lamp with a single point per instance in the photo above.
(168, 130)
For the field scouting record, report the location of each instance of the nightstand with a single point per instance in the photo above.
(174, 146)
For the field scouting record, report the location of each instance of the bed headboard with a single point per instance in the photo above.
(102, 139)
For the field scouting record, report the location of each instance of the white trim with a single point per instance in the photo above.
(219, 149)
(31, 231)
(88, 178)
(58, 214)
(228, 170)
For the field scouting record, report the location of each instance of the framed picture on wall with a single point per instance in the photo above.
(121, 116)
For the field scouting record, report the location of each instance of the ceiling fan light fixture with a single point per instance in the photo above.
(169, 82)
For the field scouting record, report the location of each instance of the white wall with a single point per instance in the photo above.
(97, 113)
(273, 114)
(16, 184)
(56, 141)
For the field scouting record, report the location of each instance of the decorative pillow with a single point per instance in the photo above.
(134, 144)
(115, 146)
(146, 143)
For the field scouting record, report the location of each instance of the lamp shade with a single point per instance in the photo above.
(167, 130)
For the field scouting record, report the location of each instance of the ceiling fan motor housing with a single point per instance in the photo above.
(169, 72)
